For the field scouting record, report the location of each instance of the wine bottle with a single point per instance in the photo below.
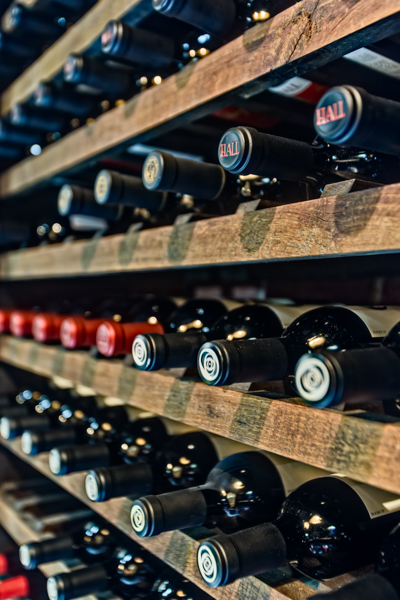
(115, 82)
(72, 424)
(46, 326)
(327, 527)
(64, 100)
(137, 46)
(228, 361)
(192, 319)
(114, 188)
(384, 584)
(17, 135)
(9, 564)
(76, 200)
(359, 375)
(350, 116)
(153, 351)
(5, 316)
(21, 322)
(23, 586)
(241, 490)
(21, 21)
(183, 462)
(126, 573)
(116, 436)
(90, 543)
(13, 46)
(114, 338)
(244, 150)
(47, 413)
(23, 115)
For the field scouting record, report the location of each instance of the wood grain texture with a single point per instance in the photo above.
(21, 533)
(77, 39)
(303, 37)
(358, 223)
(365, 450)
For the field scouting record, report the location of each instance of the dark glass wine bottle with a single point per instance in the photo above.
(183, 462)
(173, 350)
(350, 116)
(92, 542)
(21, 21)
(241, 490)
(13, 46)
(64, 100)
(20, 136)
(187, 327)
(327, 527)
(384, 584)
(23, 115)
(115, 188)
(333, 327)
(114, 338)
(115, 82)
(359, 375)
(76, 200)
(23, 586)
(244, 150)
(113, 438)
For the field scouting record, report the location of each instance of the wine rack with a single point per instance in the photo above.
(364, 446)
(21, 533)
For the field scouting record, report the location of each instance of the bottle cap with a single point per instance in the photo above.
(159, 171)
(29, 443)
(78, 332)
(215, 360)
(315, 380)
(70, 459)
(111, 38)
(73, 68)
(3, 565)
(46, 327)
(57, 461)
(148, 352)
(106, 188)
(338, 114)
(14, 587)
(235, 149)
(6, 428)
(115, 338)
(29, 555)
(56, 588)
(96, 485)
(5, 320)
(65, 200)
(42, 95)
(147, 517)
(218, 561)
(21, 322)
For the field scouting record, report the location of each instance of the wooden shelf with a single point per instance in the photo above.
(79, 38)
(21, 533)
(303, 37)
(365, 450)
(364, 222)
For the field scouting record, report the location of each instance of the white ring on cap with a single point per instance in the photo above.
(140, 352)
(55, 461)
(91, 487)
(209, 364)
(312, 379)
(138, 518)
(207, 565)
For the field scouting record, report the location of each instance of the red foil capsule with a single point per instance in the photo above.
(115, 338)
(21, 322)
(3, 565)
(78, 332)
(15, 587)
(46, 327)
(5, 315)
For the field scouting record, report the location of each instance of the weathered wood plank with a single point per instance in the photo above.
(368, 451)
(303, 37)
(77, 39)
(359, 223)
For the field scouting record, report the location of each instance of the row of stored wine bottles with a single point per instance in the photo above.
(332, 354)
(104, 558)
(268, 510)
(356, 138)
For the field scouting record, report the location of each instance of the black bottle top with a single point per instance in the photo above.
(36, 118)
(165, 172)
(155, 351)
(47, 95)
(114, 188)
(111, 442)
(324, 527)
(20, 136)
(225, 362)
(241, 490)
(76, 200)
(382, 585)
(21, 20)
(359, 375)
(183, 462)
(115, 82)
(350, 116)
(213, 16)
(137, 46)
(90, 543)
(126, 573)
